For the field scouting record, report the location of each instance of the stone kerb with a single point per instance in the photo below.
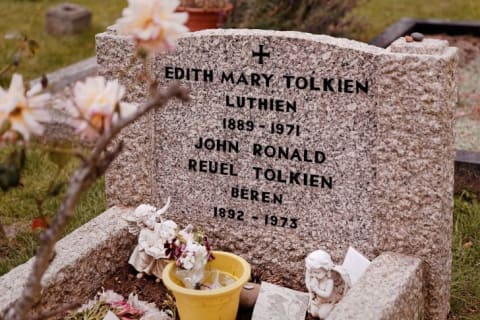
(390, 289)
(60, 83)
(380, 122)
(83, 259)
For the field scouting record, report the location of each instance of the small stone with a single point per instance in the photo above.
(249, 295)
(157, 280)
(408, 38)
(417, 36)
(140, 275)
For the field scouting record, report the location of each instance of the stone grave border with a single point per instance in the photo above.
(391, 287)
(429, 26)
(83, 260)
(58, 82)
(66, 76)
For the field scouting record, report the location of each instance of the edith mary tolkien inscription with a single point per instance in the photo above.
(258, 150)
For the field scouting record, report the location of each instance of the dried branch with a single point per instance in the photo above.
(60, 311)
(3, 234)
(81, 180)
(6, 69)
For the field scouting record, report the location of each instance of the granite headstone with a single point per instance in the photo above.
(295, 142)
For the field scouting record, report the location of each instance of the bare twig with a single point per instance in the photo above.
(81, 180)
(60, 311)
(6, 69)
(3, 234)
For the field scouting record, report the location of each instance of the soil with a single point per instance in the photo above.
(124, 282)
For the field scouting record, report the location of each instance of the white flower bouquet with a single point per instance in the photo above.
(109, 305)
(161, 241)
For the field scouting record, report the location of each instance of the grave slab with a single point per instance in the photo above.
(279, 303)
(295, 142)
(390, 289)
(67, 19)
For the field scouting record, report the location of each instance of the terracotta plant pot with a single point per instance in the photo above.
(211, 18)
(213, 304)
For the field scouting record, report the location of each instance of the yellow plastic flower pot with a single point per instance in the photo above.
(216, 304)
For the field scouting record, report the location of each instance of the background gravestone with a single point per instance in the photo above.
(369, 134)
(67, 19)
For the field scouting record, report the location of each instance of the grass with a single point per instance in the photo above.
(28, 17)
(465, 301)
(18, 205)
(376, 15)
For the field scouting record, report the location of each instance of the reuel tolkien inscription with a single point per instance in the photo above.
(238, 126)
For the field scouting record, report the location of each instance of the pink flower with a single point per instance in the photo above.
(97, 105)
(125, 310)
(154, 24)
(23, 111)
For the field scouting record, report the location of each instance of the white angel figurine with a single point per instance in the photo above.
(326, 282)
(144, 214)
(148, 256)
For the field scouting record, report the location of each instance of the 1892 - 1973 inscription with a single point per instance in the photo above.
(262, 105)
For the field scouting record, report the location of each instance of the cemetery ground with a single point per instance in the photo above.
(27, 17)
(20, 215)
(18, 207)
(376, 15)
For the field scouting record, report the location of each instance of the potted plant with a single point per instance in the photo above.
(203, 282)
(219, 303)
(205, 14)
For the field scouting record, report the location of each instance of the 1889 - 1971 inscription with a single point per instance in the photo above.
(262, 105)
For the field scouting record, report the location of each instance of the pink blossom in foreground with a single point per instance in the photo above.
(23, 111)
(97, 104)
(154, 24)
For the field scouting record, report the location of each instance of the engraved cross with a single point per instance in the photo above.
(260, 54)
